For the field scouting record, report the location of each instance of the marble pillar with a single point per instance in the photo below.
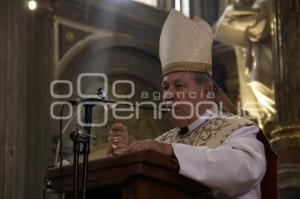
(286, 59)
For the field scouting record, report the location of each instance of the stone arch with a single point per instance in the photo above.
(109, 51)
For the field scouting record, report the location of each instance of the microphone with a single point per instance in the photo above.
(102, 97)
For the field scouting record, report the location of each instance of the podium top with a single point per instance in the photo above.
(121, 168)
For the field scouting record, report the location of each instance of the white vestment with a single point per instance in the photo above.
(233, 170)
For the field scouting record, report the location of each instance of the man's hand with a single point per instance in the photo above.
(158, 147)
(118, 139)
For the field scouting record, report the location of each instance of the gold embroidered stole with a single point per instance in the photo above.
(211, 133)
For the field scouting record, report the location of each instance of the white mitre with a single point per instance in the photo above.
(185, 44)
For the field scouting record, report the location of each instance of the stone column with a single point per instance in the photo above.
(286, 59)
(206, 9)
(166, 4)
(26, 69)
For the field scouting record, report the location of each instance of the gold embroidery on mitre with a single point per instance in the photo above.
(187, 66)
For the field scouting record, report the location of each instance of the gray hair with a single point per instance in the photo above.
(202, 78)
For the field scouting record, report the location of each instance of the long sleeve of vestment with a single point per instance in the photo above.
(234, 168)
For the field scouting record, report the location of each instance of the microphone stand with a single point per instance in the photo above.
(84, 140)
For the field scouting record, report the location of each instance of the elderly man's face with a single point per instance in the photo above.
(185, 97)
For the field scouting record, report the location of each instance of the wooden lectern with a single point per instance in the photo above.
(141, 175)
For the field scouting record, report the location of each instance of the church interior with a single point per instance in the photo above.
(56, 50)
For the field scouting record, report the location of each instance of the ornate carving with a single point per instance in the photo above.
(246, 26)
